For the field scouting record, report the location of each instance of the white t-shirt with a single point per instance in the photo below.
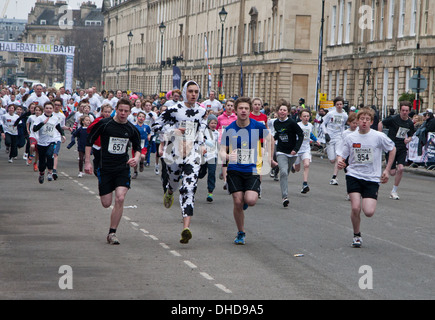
(47, 134)
(307, 130)
(334, 123)
(214, 105)
(39, 100)
(31, 122)
(8, 123)
(62, 119)
(365, 154)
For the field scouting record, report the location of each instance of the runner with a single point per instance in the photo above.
(364, 173)
(57, 112)
(82, 136)
(183, 125)
(114, 172)
(289, 137)
(333, 126)
(304, 154)
(401, 130)
(47, 125)
(106, 111)
(144, 131)
(240, 146)
(9, 132)
(224, 120)
(33, 137)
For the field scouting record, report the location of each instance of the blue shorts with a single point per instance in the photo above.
(57, 148)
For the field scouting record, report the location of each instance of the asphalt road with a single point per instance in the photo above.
(53, 241)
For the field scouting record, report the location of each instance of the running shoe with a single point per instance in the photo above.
(186, 235)
(240, 238)
(156, 170)
(10, 160)
(80, 175)
(35, 167)
(357, 242)
(305, 188)
(245, 207)
(41, 178)
(394, 196)
(285, 202)
(25, 156)
(112, 239)
(49, 176)
(134, 176)
(168, 199)
(333, 182)
(210, 197)
(141, 166)
(54, 174)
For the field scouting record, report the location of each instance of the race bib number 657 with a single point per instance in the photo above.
(117, 145)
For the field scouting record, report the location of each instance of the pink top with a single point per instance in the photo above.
(224, 121)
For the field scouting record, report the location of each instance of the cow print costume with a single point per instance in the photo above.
(183, 152)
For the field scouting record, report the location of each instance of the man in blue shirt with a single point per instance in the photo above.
(241, 147)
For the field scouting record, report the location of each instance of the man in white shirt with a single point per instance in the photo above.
(214, 105)
(94, 101)
(333, 127)
(38, 97)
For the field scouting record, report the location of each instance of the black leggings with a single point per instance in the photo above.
(46, 159)
(11, 141)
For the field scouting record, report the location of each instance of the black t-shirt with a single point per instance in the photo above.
(115, 138)
(289, 135)
(399, 129)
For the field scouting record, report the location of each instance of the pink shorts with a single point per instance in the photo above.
(33, 141)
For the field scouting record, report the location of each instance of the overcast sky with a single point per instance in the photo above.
(19, 9)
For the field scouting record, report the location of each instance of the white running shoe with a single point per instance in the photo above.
(357, 242)
(333, 182)
(394, 196)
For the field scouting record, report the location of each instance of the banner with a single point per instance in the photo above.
(176, 78)
(69, 72)
(430, 149)
(208, 65)
(37, 48)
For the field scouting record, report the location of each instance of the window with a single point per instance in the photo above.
(402, 18)
(43, 22)
(391, 20)
(381, 22)
(340, 23)
(333, 24)
(413, 18)
(348, 22)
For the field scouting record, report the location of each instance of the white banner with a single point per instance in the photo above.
(37, 48)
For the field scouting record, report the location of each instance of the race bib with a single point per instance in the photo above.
(117, 145)
(245, 156)
(402, 133)
(363, 155)
(338, 119)
(190, 132)
(48, 129)
(306, 134)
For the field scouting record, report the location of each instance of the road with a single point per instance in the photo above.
(53, 241)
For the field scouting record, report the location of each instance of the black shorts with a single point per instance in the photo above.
(109, 181)
(367, 189)
(243, 181)
(399, 159)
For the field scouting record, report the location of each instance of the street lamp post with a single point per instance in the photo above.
(104, 61)
(130, 38)
(162, 29)
(222, 16)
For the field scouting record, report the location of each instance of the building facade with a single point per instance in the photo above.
(275, 42)
(10, 31)
(52, 22)
(373, 47)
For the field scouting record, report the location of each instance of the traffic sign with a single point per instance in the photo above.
(413, 83)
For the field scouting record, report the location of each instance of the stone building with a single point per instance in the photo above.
(276, 42)
(372, 47)
(52, 22)
(10, 31)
